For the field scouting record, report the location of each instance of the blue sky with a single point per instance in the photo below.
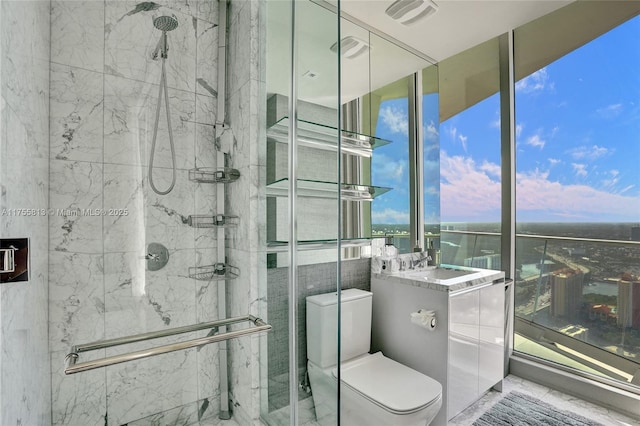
(577, 144)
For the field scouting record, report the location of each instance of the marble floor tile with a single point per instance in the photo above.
(558, 399)
(511, 383)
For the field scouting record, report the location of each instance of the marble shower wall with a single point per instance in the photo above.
(24, 172)
(246, 101)
(104, 90)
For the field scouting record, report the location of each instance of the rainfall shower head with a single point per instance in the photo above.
(166, 23)
(163, 23)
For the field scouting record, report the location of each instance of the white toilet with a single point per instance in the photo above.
(374, 390)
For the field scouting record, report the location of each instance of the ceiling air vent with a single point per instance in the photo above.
(351, 47)
(408, 12)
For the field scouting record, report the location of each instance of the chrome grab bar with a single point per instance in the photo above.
(71, 365)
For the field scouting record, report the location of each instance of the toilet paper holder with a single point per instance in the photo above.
(424, 318)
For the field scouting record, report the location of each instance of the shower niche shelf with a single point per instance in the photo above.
(213, 175)
(215, 272)
(328, 190)
(324, 137)
(213, 221)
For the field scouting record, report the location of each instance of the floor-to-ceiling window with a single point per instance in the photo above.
(577, 299)
(470, 157)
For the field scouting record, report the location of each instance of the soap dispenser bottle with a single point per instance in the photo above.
(389, 249)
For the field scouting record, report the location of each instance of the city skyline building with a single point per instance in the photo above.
(629, 301)
(566, 292)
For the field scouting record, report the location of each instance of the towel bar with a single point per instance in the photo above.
(72, 366)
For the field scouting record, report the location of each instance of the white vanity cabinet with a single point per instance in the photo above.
(465, 352)
(476, 345)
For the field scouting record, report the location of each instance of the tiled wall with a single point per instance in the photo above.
(312, 280)
(104, 90)
(24, 173)
(246, 100)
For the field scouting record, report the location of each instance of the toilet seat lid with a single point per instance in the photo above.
(389, 384)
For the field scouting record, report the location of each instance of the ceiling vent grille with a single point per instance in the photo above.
(351, 47)
(408, 12)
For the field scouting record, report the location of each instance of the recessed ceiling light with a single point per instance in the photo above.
(408, 12)
(351, 47)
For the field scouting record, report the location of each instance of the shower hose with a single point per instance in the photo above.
(163, 87)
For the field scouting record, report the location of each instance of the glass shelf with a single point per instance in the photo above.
(325, 137)
(319, 189)
(283, 246)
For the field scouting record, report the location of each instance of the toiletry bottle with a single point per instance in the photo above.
(389, 249)
(431, 255)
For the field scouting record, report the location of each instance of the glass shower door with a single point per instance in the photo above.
(303, 192)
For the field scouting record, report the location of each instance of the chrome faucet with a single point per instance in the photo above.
(419, 262)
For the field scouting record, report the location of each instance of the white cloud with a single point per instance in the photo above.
(610, 111)
(535, 141)
(579, 169)
(395, 119)
(452, 132)
(519, 128)
(536, 194)
(533, 82)
(466, 190)
(626, 189)
(390, 216)
(431, 131)
(613, 179)
(388, 169)
(463, 141)
(492, 169)
(469, 191)
(554, 161)
(589, 153)
(431, 190)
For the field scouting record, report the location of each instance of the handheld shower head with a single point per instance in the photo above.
(166, 23)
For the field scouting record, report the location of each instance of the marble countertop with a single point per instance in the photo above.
(443, 278)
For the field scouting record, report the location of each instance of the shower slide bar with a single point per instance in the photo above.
(72, 367)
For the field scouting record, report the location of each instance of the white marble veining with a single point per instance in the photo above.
(75, 200)
(206, 63)
(25, 77)
(25, 391)
(438, 278)
(104, 88)
(76, 297)
(245, 197)
(76, 113)
(149, 217)
(141, 388)
(77, 399)
(131, 38)
(129, 119)
(77, 34)
(138, 300)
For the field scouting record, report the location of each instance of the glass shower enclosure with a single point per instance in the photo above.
(127, 163)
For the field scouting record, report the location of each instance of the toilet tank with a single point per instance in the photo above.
(322, 320)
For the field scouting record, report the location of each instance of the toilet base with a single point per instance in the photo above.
(355, 409)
